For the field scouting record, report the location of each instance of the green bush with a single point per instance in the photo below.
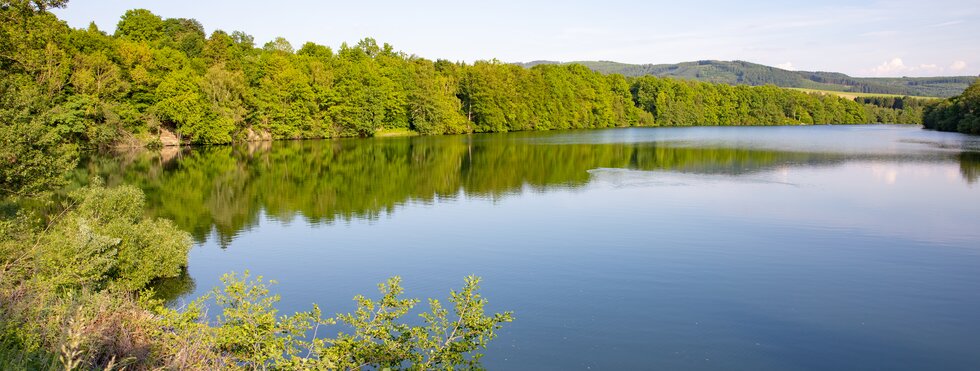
(104, 239)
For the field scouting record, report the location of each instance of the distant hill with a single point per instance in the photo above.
(741, 72)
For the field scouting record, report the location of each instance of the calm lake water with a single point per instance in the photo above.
(756, 248)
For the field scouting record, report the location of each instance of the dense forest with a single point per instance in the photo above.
(154, 77)
(747, 73)
(685, 102)
(960, 113)
(897, 110)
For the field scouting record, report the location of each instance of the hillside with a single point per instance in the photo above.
(741, 72)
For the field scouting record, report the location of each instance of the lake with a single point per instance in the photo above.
(701, 248)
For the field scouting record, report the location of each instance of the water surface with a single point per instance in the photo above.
(783, 248)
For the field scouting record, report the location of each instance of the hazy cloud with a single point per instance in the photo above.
(786, 66)
(945, 24)
(890, 67)
(896, 67)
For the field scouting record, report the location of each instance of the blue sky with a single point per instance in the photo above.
(883, 38)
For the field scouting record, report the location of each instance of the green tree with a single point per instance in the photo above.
(183, 104)
(140, 25)
(432, 104)
(960, 113)
(284, 101)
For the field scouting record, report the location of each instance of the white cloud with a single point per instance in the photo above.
(893, 66)
(896, 67)
(786, 66)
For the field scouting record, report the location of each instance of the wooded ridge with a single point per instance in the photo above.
(748, 73)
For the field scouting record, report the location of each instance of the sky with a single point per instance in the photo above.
(859, 38)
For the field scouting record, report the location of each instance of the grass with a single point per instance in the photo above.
(400, 132)
(852, 95)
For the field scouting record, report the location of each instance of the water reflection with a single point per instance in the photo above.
(224, 189)
(740, 245)
(169, 289)
(970, 166)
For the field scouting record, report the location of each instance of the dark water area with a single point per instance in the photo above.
(763, 248)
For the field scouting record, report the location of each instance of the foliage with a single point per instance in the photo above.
(102, 240)
(251, 333)
(895, 110)
(685, 103)
(65, 279)
(139, 25)
(960, 113)
(32, 157)
(155, 74)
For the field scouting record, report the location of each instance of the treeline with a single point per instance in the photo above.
(156, 75)
(960, 113)
(895, 110)
(686, 102)
(747, 73)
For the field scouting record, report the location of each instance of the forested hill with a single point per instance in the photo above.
(741, 72)
(164, 81)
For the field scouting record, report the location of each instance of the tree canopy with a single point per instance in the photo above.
(960, 113)
(156, 75)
